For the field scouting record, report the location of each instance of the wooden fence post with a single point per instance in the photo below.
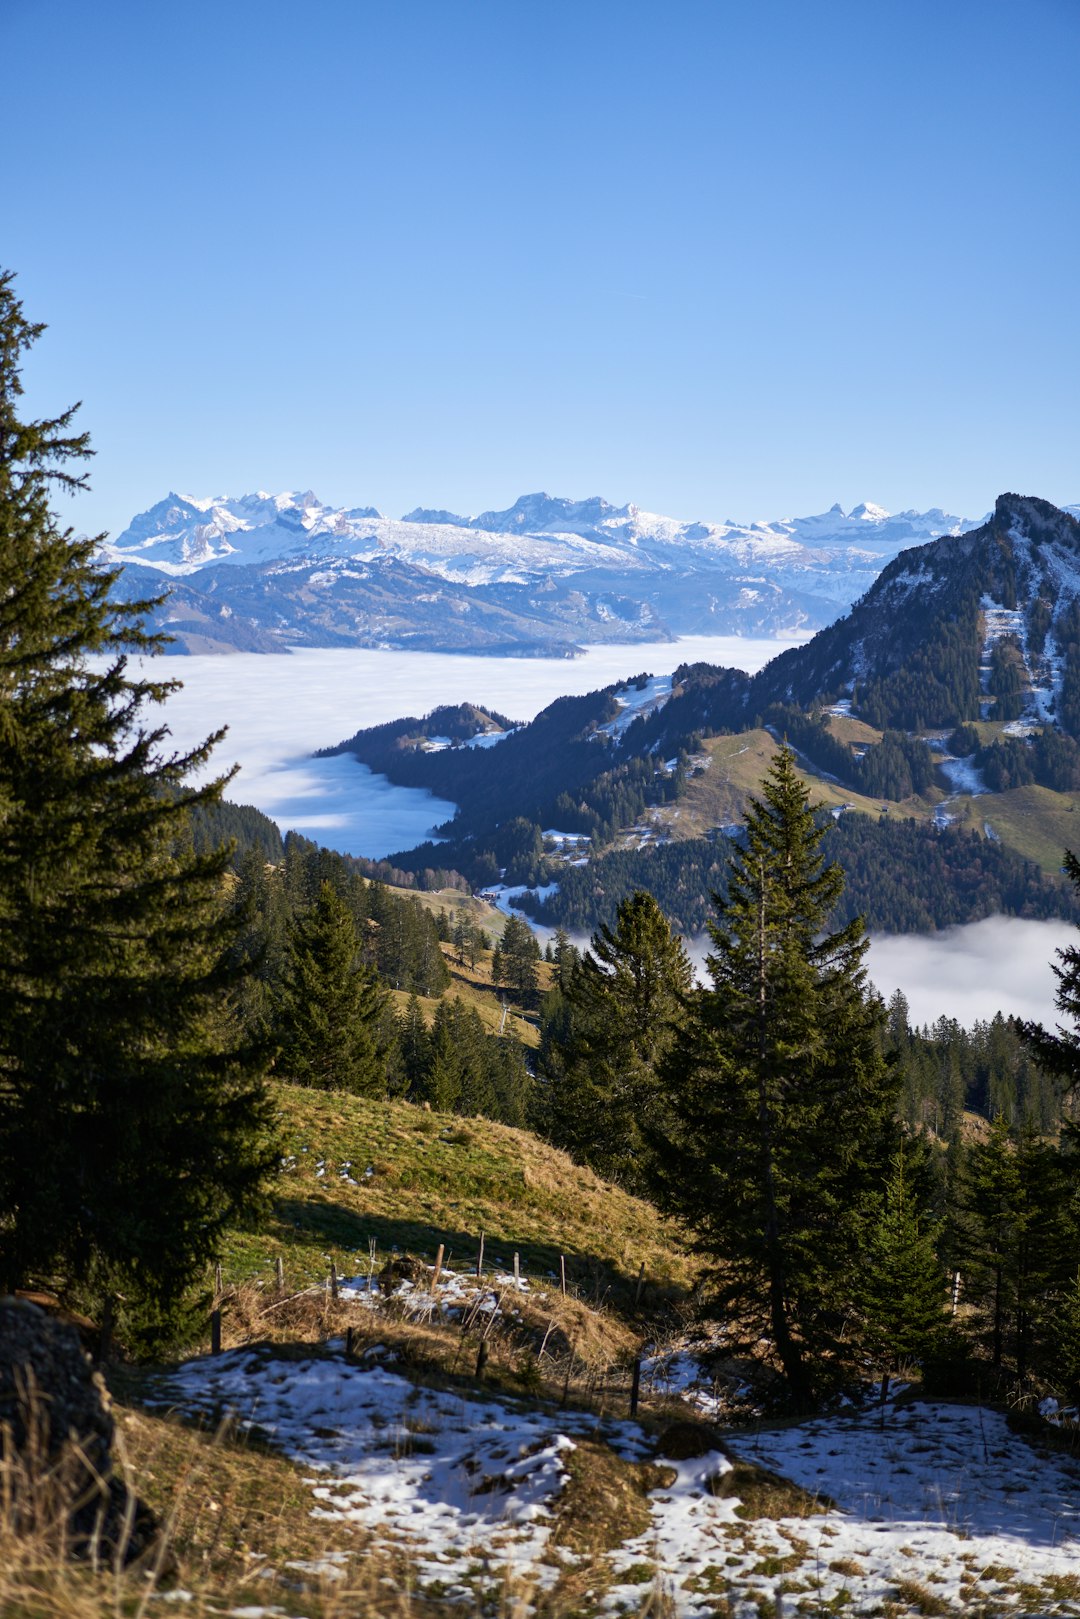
(349, 1342)
(437, 1272)
(333, 1280)
(105, 1330)
(279, 1272)
(215, 1332)
(517, 1271)
(562, 1271)
(640, 1285)
(480, 1259)
(635, 1386)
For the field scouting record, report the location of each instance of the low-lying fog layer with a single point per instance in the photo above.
(967, 973)
(279, 709)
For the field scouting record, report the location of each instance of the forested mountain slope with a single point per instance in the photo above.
(949, 696)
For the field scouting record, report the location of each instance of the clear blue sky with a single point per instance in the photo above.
(743, 258)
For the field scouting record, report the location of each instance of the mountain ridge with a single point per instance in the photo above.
(948, 697)
(543, 577)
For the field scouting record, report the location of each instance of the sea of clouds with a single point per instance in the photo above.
(279, 710)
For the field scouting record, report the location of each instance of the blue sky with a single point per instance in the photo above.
(729, 259)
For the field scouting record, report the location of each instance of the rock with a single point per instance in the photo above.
(402, 1268)
(56, 1414)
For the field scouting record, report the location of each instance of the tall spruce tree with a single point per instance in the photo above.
(133, 1123)
(781, 1102)
(330, 1014)
(900, 1288)
(605, 1037)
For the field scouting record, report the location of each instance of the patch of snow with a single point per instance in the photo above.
(457, 1481)
(635, 701)
(962, 775)
(936, 1494)
(488, 739)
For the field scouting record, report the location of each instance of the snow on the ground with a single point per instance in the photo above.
(963, 775)
(572, 840)
(1044, 673)
(454, 1295)
(931, 1501)
(934, 1494)
(488, 739)
(634, 701)
(680, 1374)
(502, 898)
(463, 1485)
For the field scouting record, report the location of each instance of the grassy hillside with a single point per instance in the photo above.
(473, 985)
(1034, 821)
(358, 1172)
(734, 773)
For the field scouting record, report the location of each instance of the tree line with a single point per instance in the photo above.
(901, 876)
(321, 948)
(813, 1142)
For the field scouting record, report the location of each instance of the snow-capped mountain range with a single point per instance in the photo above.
(264, 572)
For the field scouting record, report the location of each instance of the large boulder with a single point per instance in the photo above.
(57, 1433)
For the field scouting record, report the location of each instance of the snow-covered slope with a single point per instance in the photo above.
(565, 571)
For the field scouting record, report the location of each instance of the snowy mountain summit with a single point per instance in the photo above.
(544, 575)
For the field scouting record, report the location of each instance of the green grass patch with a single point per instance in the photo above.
(1037, 823)
(417, 1179)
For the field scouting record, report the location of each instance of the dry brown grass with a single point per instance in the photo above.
(473, 985)
(238, 1532)
(767, 1495)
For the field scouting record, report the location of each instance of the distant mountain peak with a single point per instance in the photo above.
(869, 512)
(552, 570)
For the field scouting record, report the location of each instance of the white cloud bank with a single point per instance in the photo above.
(972, 972)
(279, 710)
(1002, 964)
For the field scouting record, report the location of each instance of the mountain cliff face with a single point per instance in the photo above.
(265, 572)
(977, 625)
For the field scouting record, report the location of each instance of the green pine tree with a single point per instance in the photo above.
(618, 1016)
(781, 1102)
(329, 1015)
(134, 1124)
(1015, 1240)
(413, 1044)
(1064, 1337)
(901, 1290)
(444, 1073)
(519, 954)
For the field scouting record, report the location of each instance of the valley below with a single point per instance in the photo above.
(280, 710)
